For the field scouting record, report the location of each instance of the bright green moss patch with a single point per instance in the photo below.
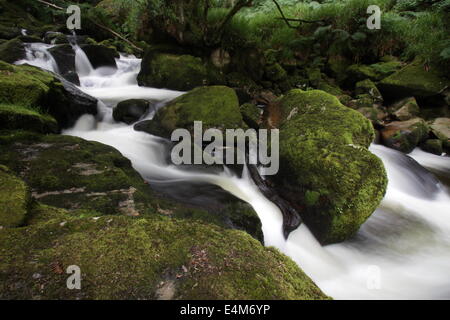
(128, 258)
(14, 199)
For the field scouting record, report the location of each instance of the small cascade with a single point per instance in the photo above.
(37, 55)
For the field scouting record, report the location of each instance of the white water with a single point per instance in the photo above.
(401, 252)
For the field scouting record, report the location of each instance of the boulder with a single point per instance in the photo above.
(14, 117)
(326, 170)
(144, 259)
(130, 111)
(101, 56)
(14, 199)
(216, 106)
(64, 56)
(414, 80)
(176, 72)
(368, 87)
(441, 129)
(405, 109)
(374, 113)
(31, 87)
(12, 51)
(404, 136)
(433, 146)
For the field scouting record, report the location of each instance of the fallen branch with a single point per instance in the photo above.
(288, 20)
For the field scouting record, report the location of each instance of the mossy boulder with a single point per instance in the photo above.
(12, 51)
(414, 80)
(433, 146)
(375, 113)
(251, 115)
(404, 136)
(275, 72)
(216, 106)
(130, 111)
(326, 170)
(18, 117)
(31, 87)
(176, 72)
(441, 129)
(126, 258)
(368, 87)
(14, 199)
(405, 109)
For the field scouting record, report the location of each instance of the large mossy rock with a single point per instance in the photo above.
(31, 87)
(14, 199)
(95, 179)
(414, 80)
(176, 72)
(17, 117)
(216, 106)
(441, 129)
(158, 258)
(326, 170)
(12, 51)
(404, 136)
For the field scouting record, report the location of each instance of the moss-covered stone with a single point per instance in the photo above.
(126, 258)
(17, 117)
(216, 106)
(441, 129)
(433, 146)
(368, 87)
(404, 136)
(251, 115)
(414, 80)
(12, 51)
(14, 199)
(325, 168)
(374, 113)
(275, 72)
(176, 72)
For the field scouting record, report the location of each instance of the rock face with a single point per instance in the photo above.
(414, 80)
(101, 56)
(216, 106)
(30, 87)
(14, 199)
(130, 111)
(176, 72)
(64, 56)
(404, 136)
(326, 170)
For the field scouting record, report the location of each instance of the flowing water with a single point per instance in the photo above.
(401, 252)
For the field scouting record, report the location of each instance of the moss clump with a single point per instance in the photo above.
(17, 117)
(325, 167)
(368, 87)
(176, 72)
(12, 51)
(251, 115)
(14, 199)
(414, 80)
(128, 258)
(216, 106)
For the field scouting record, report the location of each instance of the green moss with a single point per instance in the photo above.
(404, 136)
(414, 80)
(126, 258)
(323, 149)
(433, 146)
(216, 106)
(176, 72)
(251, 115)
(368, 87)
(17, 117)
(12, 51)
(14, 199)
(275, 72)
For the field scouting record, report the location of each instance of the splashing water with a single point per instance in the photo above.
(401, 252)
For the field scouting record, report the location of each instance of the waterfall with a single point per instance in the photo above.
(402, 251)
(36, 54)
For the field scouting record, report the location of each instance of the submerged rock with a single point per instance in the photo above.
(14, 199)
(176, 72)
(130, 111)
(216, 106)
(404, 136)
(326, 170)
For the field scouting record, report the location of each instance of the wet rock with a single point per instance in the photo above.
(405, 109)
(130, 111)
(64, 56)
(101, 56)
(433, 146)
(404, 136)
